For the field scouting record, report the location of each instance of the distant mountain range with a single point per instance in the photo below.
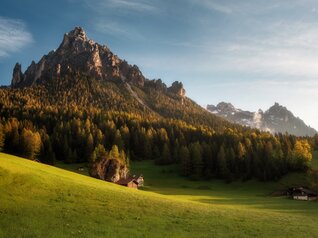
(277, 119)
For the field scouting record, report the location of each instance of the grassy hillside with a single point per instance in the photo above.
(42, 201)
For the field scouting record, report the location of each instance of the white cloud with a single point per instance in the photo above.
(13, 36)
(215, 6)
(130, 5)
(254, 7)
(284, 50)
(114, 23)
(137, 5)
(117, 30)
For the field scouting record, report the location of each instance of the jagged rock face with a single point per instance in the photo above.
(17, 76)
(77, 53)
(157, 84)
(177, 88)
(225, 108)
(276, 119)
(109, 170)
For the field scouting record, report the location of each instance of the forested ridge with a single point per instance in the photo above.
(77, 118)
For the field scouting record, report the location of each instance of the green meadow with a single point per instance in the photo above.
(38, 200)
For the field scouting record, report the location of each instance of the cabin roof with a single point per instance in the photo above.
(125, 181)
(304, 190)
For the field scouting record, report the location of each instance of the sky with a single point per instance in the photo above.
(251, 53)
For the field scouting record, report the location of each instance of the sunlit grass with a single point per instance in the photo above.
(37, 200)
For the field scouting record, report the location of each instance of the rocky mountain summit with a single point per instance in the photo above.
(277, 119)
(77, 53)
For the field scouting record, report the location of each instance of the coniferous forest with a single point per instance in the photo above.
(78, 119)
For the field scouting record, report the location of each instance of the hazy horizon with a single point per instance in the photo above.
(250, 53)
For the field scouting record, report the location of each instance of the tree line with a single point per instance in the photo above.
(75, 120)
(199, 154)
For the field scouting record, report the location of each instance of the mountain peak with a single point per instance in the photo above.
(226, 105)
(77, 41)
(277, 106)
(279, 110)
(77, 53)
(77, 32)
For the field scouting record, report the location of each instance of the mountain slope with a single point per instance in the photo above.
(39, 200)
(277, 119)
(79, 60)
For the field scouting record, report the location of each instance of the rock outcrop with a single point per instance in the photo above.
(17, 75)
(77, 53)
(177, 88)
(110, 170)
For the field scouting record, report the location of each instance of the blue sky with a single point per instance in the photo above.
(249, 52)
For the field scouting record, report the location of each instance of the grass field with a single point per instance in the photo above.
(37, 200)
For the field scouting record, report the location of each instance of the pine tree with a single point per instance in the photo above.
(114, 153)
(89, 146)
(147, 150)
(222, 166)
(196, 160)
(166, 154)
(234, 166)
(47, 154)
(118, 140)
(99, 154)
(31, 143)
(175, 155)
(125, 134)
(122, 156)
(301, 154)
(156, 155)
(185, 162)
(315, 141)
(241, 151)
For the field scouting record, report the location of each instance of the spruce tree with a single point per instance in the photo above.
(223, 171)
(89, 146)
(196, 160)
(114, 153)
(185, 162)
(166, 155)
(99, 154)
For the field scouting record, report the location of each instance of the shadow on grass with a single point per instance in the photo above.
(281, 204)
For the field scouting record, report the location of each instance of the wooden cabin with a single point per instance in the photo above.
(302, 193)
(139, 179)
(128, 182)
(132, 181)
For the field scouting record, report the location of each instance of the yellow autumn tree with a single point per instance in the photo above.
(31, 143)
(302, 152)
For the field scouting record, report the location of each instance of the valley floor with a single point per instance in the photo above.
(37, 200)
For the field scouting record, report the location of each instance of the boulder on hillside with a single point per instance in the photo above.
(111, 170)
